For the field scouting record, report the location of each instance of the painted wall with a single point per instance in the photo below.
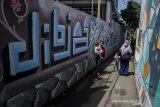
(45, 47)
(148, 54)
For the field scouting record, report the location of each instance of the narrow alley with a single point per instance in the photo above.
(100, 91)
(66, 53)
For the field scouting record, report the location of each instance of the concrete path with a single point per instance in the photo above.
(99, 91)
(124, 93)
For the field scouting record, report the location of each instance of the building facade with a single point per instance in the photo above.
(106, 7)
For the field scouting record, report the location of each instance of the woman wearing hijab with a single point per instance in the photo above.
(126, 54)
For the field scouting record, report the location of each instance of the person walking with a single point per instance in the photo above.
(97, 50)
(99, 57)
(125, 57)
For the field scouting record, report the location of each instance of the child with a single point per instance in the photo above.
(117, 59)
(97, 49)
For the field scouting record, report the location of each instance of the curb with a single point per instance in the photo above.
(109, 91)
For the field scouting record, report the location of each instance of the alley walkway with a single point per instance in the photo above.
(100, 91)
(124, 92)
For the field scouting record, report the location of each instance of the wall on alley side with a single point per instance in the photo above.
(147, 56)
(46, 47)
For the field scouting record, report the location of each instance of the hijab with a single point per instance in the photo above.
(126, 48)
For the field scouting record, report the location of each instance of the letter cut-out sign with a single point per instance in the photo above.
(61, 37)
(15, 48)
(80, 38)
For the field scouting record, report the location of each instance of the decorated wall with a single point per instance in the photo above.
(46, 47)
(148, 54)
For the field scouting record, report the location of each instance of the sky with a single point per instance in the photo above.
(123, 3)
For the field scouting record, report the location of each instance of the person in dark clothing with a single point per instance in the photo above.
(125, 57)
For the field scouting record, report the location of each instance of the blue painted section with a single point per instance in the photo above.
(146, 51)
(64, 54)
(86, 22)
(69, 17)
(159, 34)
(145, 32)
(153, 21)
(153, 4)
(47, 52)
(146, 6)
(77, 30)
(147, 82)
(58, 29)
(86, 31)
(46, 28)
(141, 65)
(81, 49)
(17, 47)
(157, 100)
(78, 33)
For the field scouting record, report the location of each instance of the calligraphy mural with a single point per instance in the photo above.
(148, 53)
(44, 48)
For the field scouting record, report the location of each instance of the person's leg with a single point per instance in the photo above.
(122, 67)
(117, 64)
(114, 65)
(126, 67)
(99, 65)
(101, 71)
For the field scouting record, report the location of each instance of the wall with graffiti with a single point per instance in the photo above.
(45, 47)
(148, 53)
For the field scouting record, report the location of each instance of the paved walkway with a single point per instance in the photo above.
(124, 93)
(100, 91)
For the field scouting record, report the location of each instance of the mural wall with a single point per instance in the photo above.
(45, 47)
(148, 54)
